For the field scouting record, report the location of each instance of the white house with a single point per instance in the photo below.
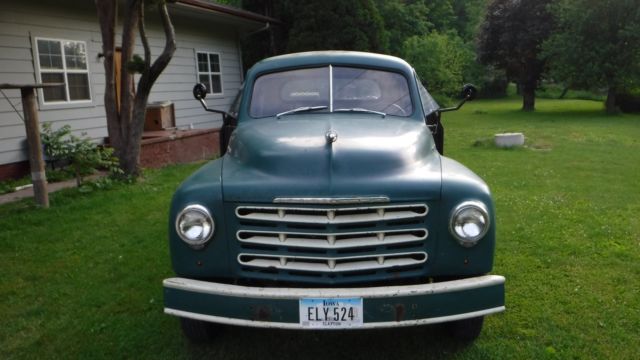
(60, 41)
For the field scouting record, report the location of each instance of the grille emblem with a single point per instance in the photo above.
(331, 136)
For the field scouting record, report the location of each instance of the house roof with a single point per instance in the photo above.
(218, 9)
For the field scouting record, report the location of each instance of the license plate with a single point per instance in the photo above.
(331, 313)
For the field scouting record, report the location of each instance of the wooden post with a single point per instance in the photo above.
(36, 162)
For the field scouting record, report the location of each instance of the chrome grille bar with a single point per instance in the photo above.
(330, 215)
(332, 240)
(333, 264)
(332, 201)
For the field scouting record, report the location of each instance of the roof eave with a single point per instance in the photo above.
(228, 10)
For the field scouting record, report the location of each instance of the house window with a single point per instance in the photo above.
(63, 61)
(209, 71)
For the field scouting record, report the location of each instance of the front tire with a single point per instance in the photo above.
(199, 332)
(466, 330)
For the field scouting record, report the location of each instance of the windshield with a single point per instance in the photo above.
(331, 89)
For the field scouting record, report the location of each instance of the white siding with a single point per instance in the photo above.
(21, 22)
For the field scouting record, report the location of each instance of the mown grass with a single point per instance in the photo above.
(83, 279)
(568, 229)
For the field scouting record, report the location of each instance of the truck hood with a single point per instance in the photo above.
(293, 157)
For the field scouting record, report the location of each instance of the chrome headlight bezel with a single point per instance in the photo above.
(198, 242)
(458, 212)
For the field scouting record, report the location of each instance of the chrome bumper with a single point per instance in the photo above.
(389, 306)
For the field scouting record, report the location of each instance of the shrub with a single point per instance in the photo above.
(55, 143)
(441, 60)
(78, 156)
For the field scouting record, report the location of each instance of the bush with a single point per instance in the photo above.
(55, 144)
(443, 62)
(78, 156)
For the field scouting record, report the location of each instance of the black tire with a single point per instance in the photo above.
(197, 331)
(465, 330)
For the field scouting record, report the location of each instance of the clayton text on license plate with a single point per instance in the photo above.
(336, 313)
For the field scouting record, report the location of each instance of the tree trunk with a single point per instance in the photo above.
(528, 97)
(107, 15)
(126, 122)
(129, 31)
(610, 103)
(147, 79)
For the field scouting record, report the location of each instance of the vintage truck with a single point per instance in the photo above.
(332, 207)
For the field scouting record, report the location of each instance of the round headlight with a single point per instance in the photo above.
(195, 225)
(469, 223)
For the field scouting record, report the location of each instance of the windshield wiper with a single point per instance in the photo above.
(361, 110)
(300, 109)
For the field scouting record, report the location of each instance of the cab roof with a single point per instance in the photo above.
(319, 58)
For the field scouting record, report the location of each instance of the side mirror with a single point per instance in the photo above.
(469, 92)
(200, 91)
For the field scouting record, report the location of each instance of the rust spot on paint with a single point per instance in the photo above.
(399, 312)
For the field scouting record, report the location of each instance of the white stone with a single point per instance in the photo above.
(507, 140)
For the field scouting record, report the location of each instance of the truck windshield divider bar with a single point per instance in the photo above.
(330, 88)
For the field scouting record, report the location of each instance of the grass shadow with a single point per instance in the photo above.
(411, 342)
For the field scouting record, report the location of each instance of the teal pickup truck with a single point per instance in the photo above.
(332, 207)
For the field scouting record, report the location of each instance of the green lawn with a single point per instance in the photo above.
(83, 279)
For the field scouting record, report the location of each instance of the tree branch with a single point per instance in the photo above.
(143, 38)
(150, 75)
(170, 43)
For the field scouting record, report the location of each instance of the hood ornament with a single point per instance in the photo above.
(331, 136)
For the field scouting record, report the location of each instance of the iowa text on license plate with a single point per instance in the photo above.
(331, 313)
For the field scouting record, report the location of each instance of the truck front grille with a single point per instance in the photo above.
(329, 240)
(333, 240)
(333, 264)
(331, 215)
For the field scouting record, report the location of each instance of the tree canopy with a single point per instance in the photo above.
(403, 20)
(597, 45)
(336, 24)
(511, 38)
(435, 36)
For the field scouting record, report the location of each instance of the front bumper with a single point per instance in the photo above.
(389, 306)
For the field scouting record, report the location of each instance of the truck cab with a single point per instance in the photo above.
(332, 207)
